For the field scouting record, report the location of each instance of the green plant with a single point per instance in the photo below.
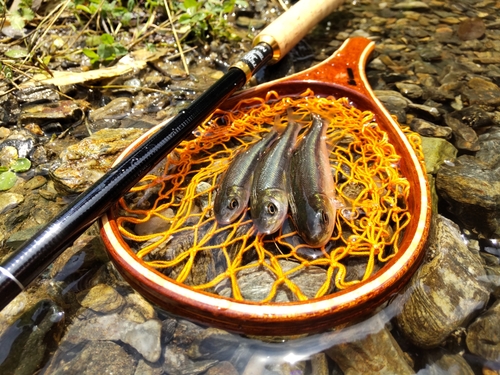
(207, 18)
(8, 175)
(107, 50)
(113, 10)
(21, 15)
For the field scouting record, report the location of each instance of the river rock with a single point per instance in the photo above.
(377, 353)
(473, 192)
(145, 337)
(410, 90)
(481, 92)
(255, 283)
(104, 299)
(429, 129)
(465, 137)
(178, 363)
(84, 163)
(436, 152)
(439, 362)
(27, 343)
(116, 109)
(483, 335)
(445, 293)
(90, 358)
(8, 201)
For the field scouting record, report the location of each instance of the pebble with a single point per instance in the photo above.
(465, 137)
(437, 151)
(471, 28)
(116, 109)
(410, 90)
(483, 335)
(429, 129)
(473, 191)
(9, 201)
(103, 298)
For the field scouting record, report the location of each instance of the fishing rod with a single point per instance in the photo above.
(36, 254)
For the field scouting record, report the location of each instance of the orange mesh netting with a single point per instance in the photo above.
(189, 246)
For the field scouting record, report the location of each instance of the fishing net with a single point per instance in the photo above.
(168, 219)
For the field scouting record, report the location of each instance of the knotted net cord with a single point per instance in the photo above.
(192, 248)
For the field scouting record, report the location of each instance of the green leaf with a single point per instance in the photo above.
(190, 4)
(16, 21)
(16, 53)
(93, 41)
(91, 54)
(7, 180)
(120, 50)
(3, 169)
(107, 39)
(83, 8)
(20, 165)
(106, 52)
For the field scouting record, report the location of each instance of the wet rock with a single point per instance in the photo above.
(33, 94)
(145, 337)
(84, 163)
(145, 368)
(21, 236)
(445, 293)
(9, 201)
(116, 109)
(319, 364)
(440, 363)
(35, 182)
(473, 192)
(104, 299)
(429, 129)
(22, 141)
(286, 368)
(481, 92)
(471, 28)
(255, 283)
(222, 368)
(213, 343)
(376, 353)
(156, 224)
(474, 116)
(27, 343)
(489, 144)
(437, 151)
(137, 310)
(90, 358)
(426, 110)
(483, 335)
(411, 5)
(65, 112)
(465, 137)
(178, 363)
(410, 90)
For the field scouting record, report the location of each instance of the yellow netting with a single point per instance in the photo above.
(192, 248)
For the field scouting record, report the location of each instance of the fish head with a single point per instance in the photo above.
(269, 208)
(318, 220)
(230, 204)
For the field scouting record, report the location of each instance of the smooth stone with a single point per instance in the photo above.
(474, 116)
(178, 363)
(465, 137)
(21, 236)
(488, 152)
(35, 182)
(481, 92)
(9, 201)
(145, 337)
(473, 192)
(90, 358)
(433, 112)
(29, 340)
(410, 90)
(137, 309)
(429, 129)
(82, 164)
(445, 293)
(104, 299)
(319, 364)
(410, 5)
(471, 28)
(483, 335)
(116, 109)
(440, 362)
(436, 152)
(145, 368)
(376, 353)
(222, 368)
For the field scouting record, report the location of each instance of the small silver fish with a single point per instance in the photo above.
(269, 200)
(234, 191)
(312, 188)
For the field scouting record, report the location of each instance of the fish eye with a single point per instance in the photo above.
(233, 204)
(271, 209)
(325, 218)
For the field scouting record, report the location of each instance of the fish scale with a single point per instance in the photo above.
(269, 199)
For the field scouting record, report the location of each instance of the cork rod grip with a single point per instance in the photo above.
(289, 28)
